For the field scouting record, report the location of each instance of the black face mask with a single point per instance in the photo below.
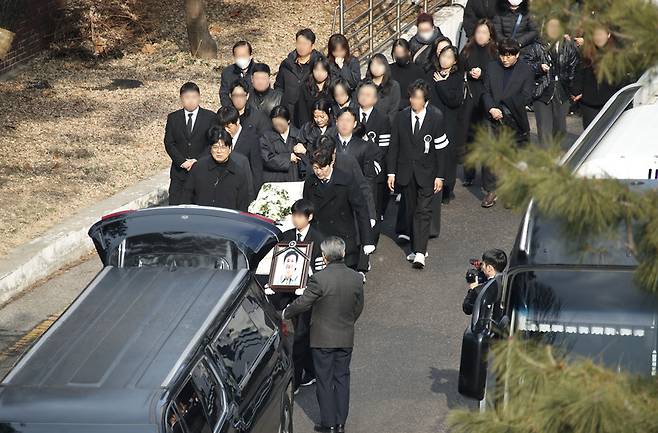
(402, 61)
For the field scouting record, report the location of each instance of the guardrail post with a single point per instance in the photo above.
(341, 16)
(398, 18)
(425, 6)
(371, 43)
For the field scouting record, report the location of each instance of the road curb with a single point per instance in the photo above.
(68, 241)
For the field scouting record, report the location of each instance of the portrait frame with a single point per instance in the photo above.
(280, 280)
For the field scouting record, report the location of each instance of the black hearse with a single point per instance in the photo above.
(586, 303)
(173, 335)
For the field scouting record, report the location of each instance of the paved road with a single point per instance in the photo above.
(406, 359)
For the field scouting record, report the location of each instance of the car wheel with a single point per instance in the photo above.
(286, 411)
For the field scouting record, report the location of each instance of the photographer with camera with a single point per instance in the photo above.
(484, 272)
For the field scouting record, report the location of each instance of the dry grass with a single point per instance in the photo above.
(69, 146)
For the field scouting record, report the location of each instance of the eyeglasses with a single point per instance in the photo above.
(218, 147)
(238, 95)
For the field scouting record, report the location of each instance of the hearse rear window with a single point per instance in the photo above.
(178, 250)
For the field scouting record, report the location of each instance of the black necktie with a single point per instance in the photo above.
(417, 125)
(364, 118)
(189, 123)
(299, 237)
(345, 146)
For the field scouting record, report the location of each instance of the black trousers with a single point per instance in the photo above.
(332, 369)
(418, 203)
(176, 189)
(488, 176)
(302, 357)
(551, 119)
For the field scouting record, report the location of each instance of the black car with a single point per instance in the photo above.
(175, 334)
(586, 303)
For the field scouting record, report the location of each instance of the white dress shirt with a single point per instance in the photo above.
(284, 136)
(367, 113)
(194, 114)
(421, 118)
(344, 139)
(302, 232)
(234, 139)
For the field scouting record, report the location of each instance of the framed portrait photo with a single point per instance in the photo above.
(290, 264)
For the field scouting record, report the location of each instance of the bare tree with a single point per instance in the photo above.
(201, 43)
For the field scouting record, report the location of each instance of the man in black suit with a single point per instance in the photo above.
(377, 130)
(186, 138)
(302, 216)
(251, 119)
(416, 162)
(508, 88)
(218, 179)
(336, 296)
(365, 152)
(244, 141)
(241, 69)
(339, 204)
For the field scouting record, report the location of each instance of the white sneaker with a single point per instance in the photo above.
(419, 261)
(411, 257)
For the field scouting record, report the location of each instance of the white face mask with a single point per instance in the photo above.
(515, 2)
(426, 35)
(243, 62)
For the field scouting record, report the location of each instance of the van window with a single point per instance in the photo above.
(187, 415)
(243, 338)
(209, 392)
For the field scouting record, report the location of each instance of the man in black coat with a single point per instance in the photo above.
(251, 119)
(336, 297)
(263, 97)
(477, 10)
(365, 152)
(295, 68)
(508, 88)
(186, 138)
(241, 69)
(218, 179)
(244, 141)
(341, 209)
(416, 162)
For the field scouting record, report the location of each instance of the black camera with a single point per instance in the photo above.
(475, 273)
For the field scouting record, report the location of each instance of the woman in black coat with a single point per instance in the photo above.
(280, 162)
(322, 124)
(514, 21)
(422, 42)
(448, 95)
(341, 93)
(403, 70)
(379, 71)
(342, 63)
(315, 87)
(475, 57)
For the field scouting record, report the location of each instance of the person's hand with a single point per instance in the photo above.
(300, 291)
(294, 158)
(299, 148)
(368, 249)
(187, 165)
(473, 285)
(576, 98)
(439, 77)
(269, 291)
(579, 41)
(339, 61)
(391, 182)
(545, 67)
(496, 113)
(438, 185)
(475, 73)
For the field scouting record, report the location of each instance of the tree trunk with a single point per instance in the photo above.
(201, 43)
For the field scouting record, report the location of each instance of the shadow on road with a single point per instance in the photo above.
(444, 381)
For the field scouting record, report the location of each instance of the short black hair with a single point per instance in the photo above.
(509, 46)
(350, 110)
(289, 254)
(401, 42)
(261, 67)
(326, 142)
(303, 206)
(421, 85)
(239, 44)
(280, 111)
(307, 33)
(217, 133)
(189, 87)
(323, 105)
(241, 83)
(226, 115)
(496, 258)
(340, 81)
(366, 82)
(322, 156)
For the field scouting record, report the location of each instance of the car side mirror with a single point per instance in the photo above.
(473, 364)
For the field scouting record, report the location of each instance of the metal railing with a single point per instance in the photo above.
(371, 25)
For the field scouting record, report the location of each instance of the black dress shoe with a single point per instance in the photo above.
(324, 429)
(340, 428)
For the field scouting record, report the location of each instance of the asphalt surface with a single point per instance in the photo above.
(406, 356)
